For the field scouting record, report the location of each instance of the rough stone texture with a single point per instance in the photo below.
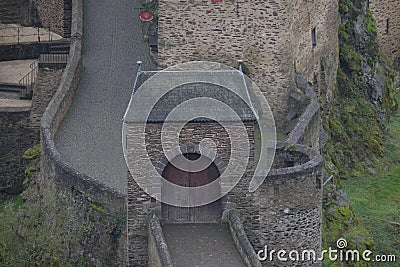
(89, 138)
(10, 94)
(387, 15)
(139, 208)
(78, 186)
(51, 14)
(46, 84)
(16, 136)
(286, 211)
(189, 138)
(308, 127)
(15, 11)
(240, 238)
(19, 51)
(158, 250)
(55, 171)
(273, 39)
(291, 195)
(138, 201)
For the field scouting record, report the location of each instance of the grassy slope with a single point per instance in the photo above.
(376, 196)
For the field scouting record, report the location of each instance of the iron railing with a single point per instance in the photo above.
(28, 81)
(18, 33)
(58, 60)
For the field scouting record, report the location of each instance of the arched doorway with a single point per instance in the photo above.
(204, 214)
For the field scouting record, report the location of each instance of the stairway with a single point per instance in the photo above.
(59, 47)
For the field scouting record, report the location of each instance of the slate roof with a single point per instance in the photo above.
(194, 90)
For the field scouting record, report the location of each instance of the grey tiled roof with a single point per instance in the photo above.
(194, 90)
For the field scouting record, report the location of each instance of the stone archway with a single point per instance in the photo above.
(204, 214)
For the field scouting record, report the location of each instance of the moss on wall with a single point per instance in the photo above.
(52, 228)
(364, 99)
(364, 96)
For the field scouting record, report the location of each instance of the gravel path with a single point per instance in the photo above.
(202, 245)
(89, 138)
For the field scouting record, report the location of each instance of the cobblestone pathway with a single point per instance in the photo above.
(202, 245)
(89, 138)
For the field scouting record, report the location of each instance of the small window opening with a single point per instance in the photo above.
(314, 37)
(387, 26)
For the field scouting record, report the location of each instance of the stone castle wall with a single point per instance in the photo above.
(291, 195)
(139, 203)
(79, 187)
(15, 11)
(51, 14)
(17, 135)
(286, 211)
(273, 38)
(46, 85)
(387, 16)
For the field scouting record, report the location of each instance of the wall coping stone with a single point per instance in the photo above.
(162, 248)
(310, 112)
(56, 111)
(313, 164)
(240, 239)
(14, 109)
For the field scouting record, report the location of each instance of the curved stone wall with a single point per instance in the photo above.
(307, 129)
(286, 211)
(55, 172)
(53, 166)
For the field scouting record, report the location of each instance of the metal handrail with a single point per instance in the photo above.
(18, 34)
(139, 71)
(53, 58)
(331, 178)
(28, 81)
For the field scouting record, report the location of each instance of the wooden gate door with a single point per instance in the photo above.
(203, 214)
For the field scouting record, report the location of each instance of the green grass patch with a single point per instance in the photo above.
(375, 195)
(16, 202)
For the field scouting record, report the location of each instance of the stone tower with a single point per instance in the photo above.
(275, 39)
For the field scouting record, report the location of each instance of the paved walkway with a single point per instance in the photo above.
(89, 138)
(9, 34)
(15, 103)
(202, 245)
(15, 70)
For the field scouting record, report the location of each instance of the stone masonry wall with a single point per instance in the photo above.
(15, 11)
(139, 203)
(286, 211)
(387, 15)
(45, 86)
(79, 187)
(51, 14)
(273, 38)
(191, 134)
(16, 136)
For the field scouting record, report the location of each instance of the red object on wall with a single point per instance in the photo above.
(146, 16)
